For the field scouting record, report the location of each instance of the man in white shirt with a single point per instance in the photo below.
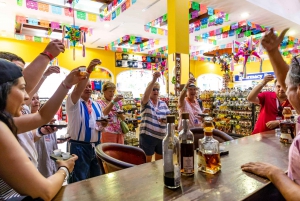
(82, 114)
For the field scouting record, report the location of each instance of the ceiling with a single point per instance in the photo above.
(274, 13)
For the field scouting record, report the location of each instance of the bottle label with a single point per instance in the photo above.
(201, 160)
(188, 164)
(286, 138)
(177, 175)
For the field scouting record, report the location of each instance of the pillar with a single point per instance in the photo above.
(178, 43)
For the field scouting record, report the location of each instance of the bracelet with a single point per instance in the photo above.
(66, 170)
(113, 102)
(64, 85)
(184, 89)
(88, 71)
(39, 132)
(48, 54)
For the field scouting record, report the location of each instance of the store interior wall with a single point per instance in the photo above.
(29, 50)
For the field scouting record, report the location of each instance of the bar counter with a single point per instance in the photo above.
(145, 182)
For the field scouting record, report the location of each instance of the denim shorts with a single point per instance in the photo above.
(150, 144)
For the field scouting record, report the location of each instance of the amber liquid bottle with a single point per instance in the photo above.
(287, 127)
(186, 141)
(209, 154)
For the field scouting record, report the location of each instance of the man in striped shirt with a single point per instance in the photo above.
(153, 124)
(82, 114)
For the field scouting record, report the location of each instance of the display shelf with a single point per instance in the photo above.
(231, 111)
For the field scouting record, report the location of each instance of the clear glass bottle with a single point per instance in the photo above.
(186, 141)
(287, 126)
(171, 160)
(209, 153)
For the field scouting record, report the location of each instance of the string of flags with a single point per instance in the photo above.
(49, 24)
(115, 8)
(241, 29)
(135, 43)
(215, 17)
(106, 15)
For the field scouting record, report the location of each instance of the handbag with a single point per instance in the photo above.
(124, 127)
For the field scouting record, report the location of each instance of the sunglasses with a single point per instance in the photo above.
(155, 89)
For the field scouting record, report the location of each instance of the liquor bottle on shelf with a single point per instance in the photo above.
(171, 160)
(186, 141)
(287, 126)
(209, 154)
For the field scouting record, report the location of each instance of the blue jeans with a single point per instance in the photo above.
(87, 165)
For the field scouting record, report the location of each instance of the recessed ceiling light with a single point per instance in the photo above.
(291, 33)
(2, 4)
(245, 15)
(107, 25)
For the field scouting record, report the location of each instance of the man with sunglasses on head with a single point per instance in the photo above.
(272, 104)
(153, 125)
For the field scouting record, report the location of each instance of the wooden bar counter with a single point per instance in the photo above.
(145, 182)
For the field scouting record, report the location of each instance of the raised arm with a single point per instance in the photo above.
(22, 175)
(49, 71)
(29, 122)
(34, 71)
(253, 95)
(271, 43)
(79, 88)
(288, 188)
(109, 106)
(184, 91)
(149, 88)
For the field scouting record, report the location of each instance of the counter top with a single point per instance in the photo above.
(145, 182)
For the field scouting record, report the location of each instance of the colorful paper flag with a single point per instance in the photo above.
(118, 11)
(81, 15)
(37, 39)
(56, 10)
(43, 7)
(20, 2)
(195, 6)
(210, 11)
(44, 23)
(31, 4)
(92, 17)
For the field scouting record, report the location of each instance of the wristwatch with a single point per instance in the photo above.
(39, 132)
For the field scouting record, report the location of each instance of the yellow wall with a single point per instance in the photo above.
(29, 50)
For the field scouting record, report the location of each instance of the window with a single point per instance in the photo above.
(210, 82)
(136, 81)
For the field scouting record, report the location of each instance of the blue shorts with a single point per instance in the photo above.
(150, 144)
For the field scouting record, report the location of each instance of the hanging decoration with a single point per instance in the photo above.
(130, 43)
(115, 8)
(240, 29)
(121, 6)
(215, 17)
(246, 49)
(74, 33)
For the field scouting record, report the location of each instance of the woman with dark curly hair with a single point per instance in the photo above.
(18, 175)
